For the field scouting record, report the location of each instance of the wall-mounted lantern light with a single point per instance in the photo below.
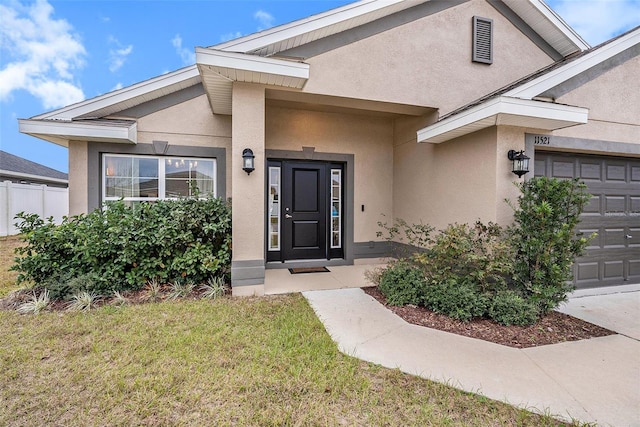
(247, 160)
(520, 162)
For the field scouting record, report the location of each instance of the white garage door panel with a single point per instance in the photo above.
(613, 257)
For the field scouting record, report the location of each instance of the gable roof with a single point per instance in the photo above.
(497, 107)
(19, 167)
(269, 42)
(253, 59)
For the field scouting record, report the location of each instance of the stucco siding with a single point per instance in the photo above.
(613, 100)
(189, 123)
(78, 177)
(440, 184)
(407, 64)
(369, 139)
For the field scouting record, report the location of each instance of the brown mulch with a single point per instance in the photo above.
(551, 329)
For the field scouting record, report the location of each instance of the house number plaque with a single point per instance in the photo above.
(541, 139)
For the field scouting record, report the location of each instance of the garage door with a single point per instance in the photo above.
(613, 257)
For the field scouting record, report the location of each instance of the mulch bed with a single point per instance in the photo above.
(552, 329)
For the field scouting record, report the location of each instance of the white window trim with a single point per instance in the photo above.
(161, 176)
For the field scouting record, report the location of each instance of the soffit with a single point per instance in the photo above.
(220, 69)
(544, 21)
(335, 104)
(504, 111)
(97, 130)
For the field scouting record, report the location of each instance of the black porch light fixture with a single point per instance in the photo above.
(247, 161)
(520, 162)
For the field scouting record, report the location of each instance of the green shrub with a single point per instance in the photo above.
(476, 255)
(544, 239)
(120, 248)
(512, 275)
(460, 301)
(65, 285)
(402, 284)
(510, 308)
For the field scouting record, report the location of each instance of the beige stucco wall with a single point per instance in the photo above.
(427, 62)
(369, 139)
(613, 100)
(78, 173)
(439, 184)
(189, 123)
(247, 195)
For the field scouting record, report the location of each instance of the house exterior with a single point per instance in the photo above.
(398, 108)
(30, 187)
(17, 169)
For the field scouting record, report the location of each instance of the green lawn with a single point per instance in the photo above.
(256, 361)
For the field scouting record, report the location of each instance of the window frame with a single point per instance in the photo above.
(161, 176)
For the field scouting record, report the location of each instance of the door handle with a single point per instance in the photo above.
(287, 216)
(628, 236)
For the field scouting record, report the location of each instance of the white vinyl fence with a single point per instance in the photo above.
(39, 199)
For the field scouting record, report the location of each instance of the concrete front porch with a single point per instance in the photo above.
(281, 281)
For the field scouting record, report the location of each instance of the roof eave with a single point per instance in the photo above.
(61, 132)
(127, 97)
(220, 69)
(553, 78)
(508, 112)
(551, 27)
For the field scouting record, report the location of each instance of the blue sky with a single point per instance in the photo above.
(54, 53)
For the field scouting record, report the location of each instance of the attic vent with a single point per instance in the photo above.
(482, 40)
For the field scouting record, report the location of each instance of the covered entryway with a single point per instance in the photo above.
(613, 257)
(305, 210)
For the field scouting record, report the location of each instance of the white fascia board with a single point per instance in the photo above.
(306, 25)
(79, 130)
(553, 78)
(502, 105)
(253, 63)
(32, 177)
(560, 23)
(86, 107)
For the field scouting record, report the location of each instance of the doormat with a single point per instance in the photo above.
(309, 270)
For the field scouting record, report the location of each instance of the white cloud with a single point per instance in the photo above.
(230, 36)
(598, 20)
(41, 54)
(264, 18)
(118, 56)
(188, 56)
(118, 86)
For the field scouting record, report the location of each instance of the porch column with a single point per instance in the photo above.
(247, 191)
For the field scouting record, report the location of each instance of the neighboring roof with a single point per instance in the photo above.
(12, 165)
(493, 108)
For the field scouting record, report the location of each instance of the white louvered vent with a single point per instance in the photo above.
(482, 40)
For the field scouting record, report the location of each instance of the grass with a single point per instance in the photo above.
(229, 361)
(8, 278)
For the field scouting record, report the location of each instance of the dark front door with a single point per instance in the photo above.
(304, 210)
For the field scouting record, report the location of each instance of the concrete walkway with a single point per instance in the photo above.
(596, 380)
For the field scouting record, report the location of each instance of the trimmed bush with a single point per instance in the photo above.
(460, 301)
(510, 308)
(402, 284)
(120, 248)
(544, 239)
